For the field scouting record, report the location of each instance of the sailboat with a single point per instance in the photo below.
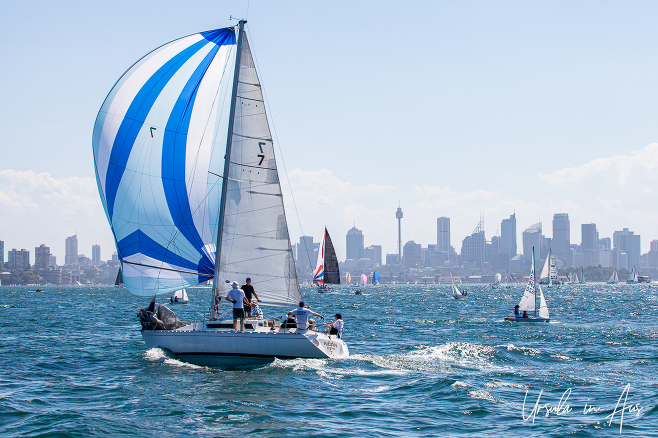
(326, 271)
(614, 279)
(456, 293)
(497, 279)
(549, 271)
(573, 279)
(633, 278)
(582, 276)
(348, 278)
(119, 281)
(375, 278)
(528, 302)
(188, 179)
(364, 279)
(179, 297)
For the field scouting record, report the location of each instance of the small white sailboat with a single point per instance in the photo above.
(456, 293)
(529, 304)
(348, 278)
(633, 277)
(179, 297)
(187, 125)
(582, 276)
(614, 279)
(573, 279)
(549, 271)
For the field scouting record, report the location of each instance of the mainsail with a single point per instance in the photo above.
(331, 270)
(348, 278)
(527, 302)
(169, 126)
(549, 271)
(119, 280)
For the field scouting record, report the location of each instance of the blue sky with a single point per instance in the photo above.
(450, 108)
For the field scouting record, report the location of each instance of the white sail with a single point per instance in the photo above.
(545, 270)
(527, 302)
(319, 267)
(498, 277)
(616, 277)
(181, 295)
(348, 278)
(552, 269)
(612, 280)
(543, 308)
(254, 234)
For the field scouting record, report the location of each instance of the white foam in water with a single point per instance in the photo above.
(486, 395)
(460, 384)
(157, 354)
(458, 353)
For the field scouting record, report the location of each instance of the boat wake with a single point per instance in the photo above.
(160, 355)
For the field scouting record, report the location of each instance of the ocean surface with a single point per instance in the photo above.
(72, 363)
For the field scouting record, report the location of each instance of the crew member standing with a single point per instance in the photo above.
(236, 296)
(249, 291)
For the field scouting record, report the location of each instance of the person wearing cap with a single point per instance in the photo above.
(336, 327)
(301, 316)
(236, 296)
(249, 291)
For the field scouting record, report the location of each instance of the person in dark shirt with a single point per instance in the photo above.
(249, 291)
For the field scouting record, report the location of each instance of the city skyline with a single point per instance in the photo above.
(584, 97)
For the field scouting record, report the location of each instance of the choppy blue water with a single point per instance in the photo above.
(72, 363)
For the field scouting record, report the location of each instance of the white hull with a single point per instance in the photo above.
(528, 319)
(202, 344)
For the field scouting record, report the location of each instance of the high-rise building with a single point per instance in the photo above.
(305, 253)
(19, 259)
(53, 261)
(628, 242)
(71, 257)
(95, 255)
(374, 253)
(412, 254)
(508, 236)
(42, 257)
(2, 254)
(589, 245)
(474, 247)
(653, 254)
(443, 234)
(354, 240)
(532, 238)
(561, 242)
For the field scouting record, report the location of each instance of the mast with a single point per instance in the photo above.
(534, 283)
(227, 159)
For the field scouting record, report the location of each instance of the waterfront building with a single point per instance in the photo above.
(653, 254)
(305, 253)
(71, 257)
(561, 241)
(19, 259)
(42, 257)
(96, 255)
(354, 241)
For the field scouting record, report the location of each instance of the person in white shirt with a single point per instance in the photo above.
(301, 316)
(236, 296)
(336, 327)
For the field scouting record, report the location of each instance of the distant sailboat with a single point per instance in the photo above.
(364, 279)
(633, 278)
(573, 279)
(119, 281)
(582, 276)
(456, 293)
(375, 277)
(179, 297)
(326, 271)
(549, 272)
(614, 279)
(529, 303)
(348, 278)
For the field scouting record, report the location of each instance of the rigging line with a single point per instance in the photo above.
(168, 269)
(292, 196)
(251, 211)
(249, 165)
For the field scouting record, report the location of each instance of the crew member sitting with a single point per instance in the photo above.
(336, 327)
(525, 314)
(516, 311)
